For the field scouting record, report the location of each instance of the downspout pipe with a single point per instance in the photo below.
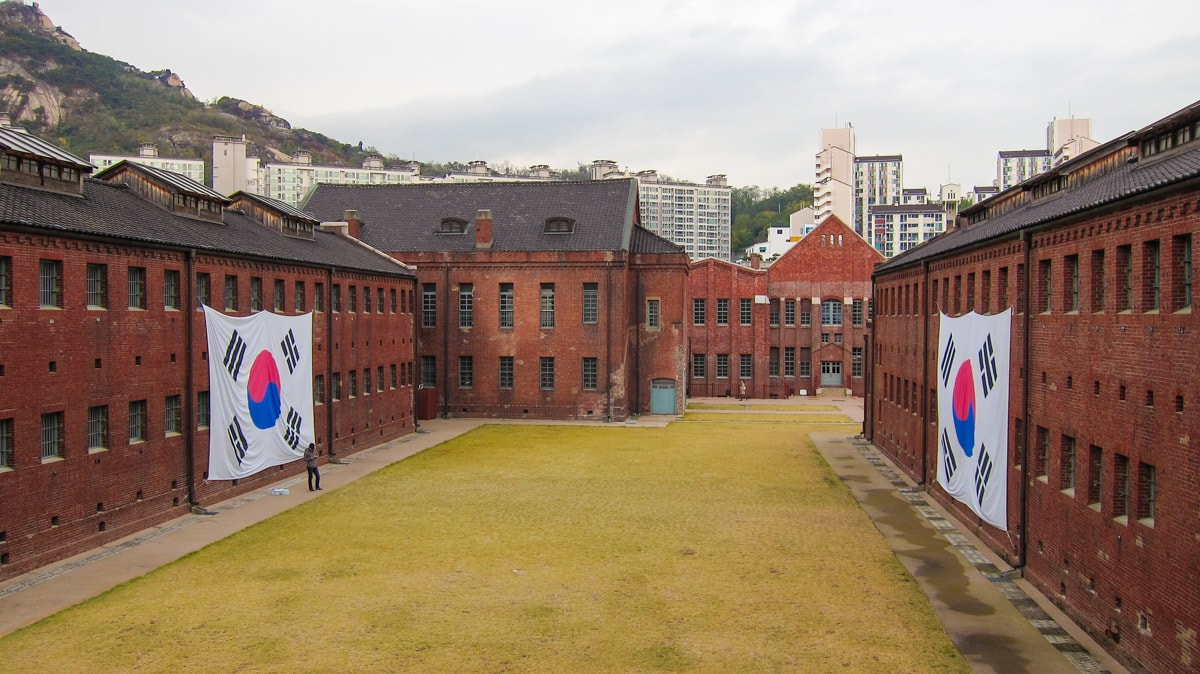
(925, 313)
(329, 341)
(608, 322)
(189, 444)
(1026, 330)
(444, 309)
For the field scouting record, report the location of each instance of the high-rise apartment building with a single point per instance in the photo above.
(833, 191)
(148, 156)
(878, 181)
(1014, 166)
(697, 217)
(896, 228)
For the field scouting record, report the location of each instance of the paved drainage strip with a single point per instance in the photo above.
(1047, 626)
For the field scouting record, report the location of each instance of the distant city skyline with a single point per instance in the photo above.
(689, 88)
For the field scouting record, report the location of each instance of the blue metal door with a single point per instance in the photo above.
(662, 396)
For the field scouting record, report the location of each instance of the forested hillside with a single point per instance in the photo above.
(755, 209)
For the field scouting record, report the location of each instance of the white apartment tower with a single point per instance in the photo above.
(148, 156)
(1014, 166)
(1067, 138)
(833, 191)
(697, 217)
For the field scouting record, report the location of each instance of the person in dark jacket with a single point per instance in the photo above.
(310, 459)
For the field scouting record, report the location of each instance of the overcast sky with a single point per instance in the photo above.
(688, 87)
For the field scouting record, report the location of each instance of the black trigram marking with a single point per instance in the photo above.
(987, 366)
(949, 462)
(237, 439)
(292, 433)
(235, 351)
(290, 353)
(983, 473)
(948, 361)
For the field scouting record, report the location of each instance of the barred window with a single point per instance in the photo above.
(352, 299)
(773, 362)
(856, 362)
(97, 427)
(591, 373)
(52, 436)
(367, 381)
(699, 311)
(137, 287)
(366, 304)
(97, 286)
(5, 281)
(1152, 275)
(723, 311)
(745, 366)
(506, 372)
(546, 305)
(789, 312)
(256, 302)
(653, 317)
(392, 300)
(318, 297)
(174, 410)
(336, 383)
(466, 371)
(722, 366)
(280, 299)
(203, 411)
(50, 283)
(591, 303)
(379, 379)
(805, 362)
(335, 297)
(171, 296)
(379, 301)
(6, 444)
(428, 305)
(231, 293)
(856, 312)
(137, 421)
(299, 300)
(393, 379)
(789, 361)
(466, 305)
(745, 311)
(773, 314)
(698, 365)
(352, 383)
(428, 371)
(506, 305)
(546, 370)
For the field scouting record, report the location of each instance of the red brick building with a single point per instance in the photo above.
(797, 327)
(1095, 258)
(536, 300)
(103, 353)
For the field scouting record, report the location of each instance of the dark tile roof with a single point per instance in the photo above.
(22, 143)
(647, 242)
(1124, 181)
(1005, 154)
(275, 204)
(111, 211)
(174, 180)
(405, 218)
(904, 208)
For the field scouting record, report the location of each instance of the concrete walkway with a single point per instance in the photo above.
(997, 624)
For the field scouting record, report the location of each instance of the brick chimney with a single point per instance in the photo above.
(483, 229)
(353, 224)
(755, 261)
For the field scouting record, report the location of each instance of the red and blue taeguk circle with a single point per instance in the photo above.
(964, 408)
(262, 391)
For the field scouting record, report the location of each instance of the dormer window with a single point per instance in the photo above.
(452, 226)
(559, 226)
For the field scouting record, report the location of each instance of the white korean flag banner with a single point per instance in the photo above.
(973, 368)
(260, 391)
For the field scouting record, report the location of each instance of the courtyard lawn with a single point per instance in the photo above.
(774, 407)
(765, 417)
(698, 547)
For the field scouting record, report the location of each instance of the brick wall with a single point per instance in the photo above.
(1111, 382)
(69, 359)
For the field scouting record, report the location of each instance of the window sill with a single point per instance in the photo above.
(1044, 479)
(97, 450)
(1122, 519)
(51, 459)
(1147, 522)
(1094, 506)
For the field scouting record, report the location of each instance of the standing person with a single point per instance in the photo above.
(310, 459)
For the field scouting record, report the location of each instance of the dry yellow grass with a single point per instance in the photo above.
(766, 417)
(699, 547)
(781, 407)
